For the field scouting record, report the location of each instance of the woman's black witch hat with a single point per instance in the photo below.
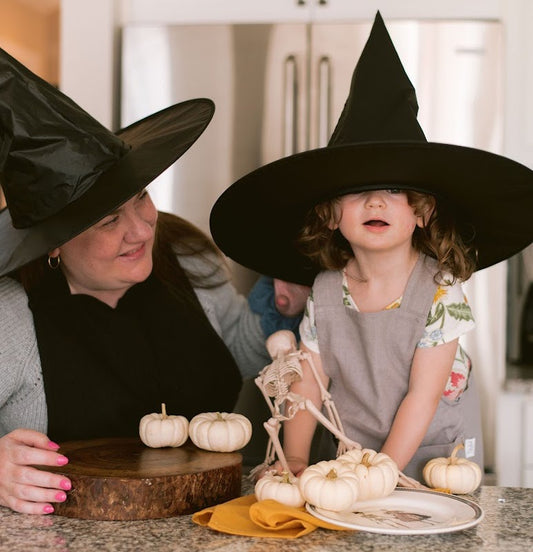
(62, 171)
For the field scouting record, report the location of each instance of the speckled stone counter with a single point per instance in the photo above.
(507, 526)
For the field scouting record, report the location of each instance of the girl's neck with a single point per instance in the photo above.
(380, 265)
(377, 280)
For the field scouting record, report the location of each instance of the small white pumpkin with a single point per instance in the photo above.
(220, 431)
(331, 485)
(282, 487)
(458, 475)
(377, 472)
(162, 430)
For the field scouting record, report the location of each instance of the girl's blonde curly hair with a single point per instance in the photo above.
(326, 246)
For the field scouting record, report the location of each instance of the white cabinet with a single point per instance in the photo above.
(286, 11)
(340, 10)
(170, 12)
(514, 438)
(527, 439)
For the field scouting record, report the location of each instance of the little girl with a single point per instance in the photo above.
(382, 326)
(392, 224)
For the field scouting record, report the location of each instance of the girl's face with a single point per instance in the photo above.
(114, 254)
(377, 220)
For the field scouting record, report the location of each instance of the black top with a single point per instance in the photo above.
(105, 368)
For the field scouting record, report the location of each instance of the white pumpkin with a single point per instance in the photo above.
(162, 430)
(282, 487)
(331, 485)
(458, 475)
(377, 472)
(220, 431)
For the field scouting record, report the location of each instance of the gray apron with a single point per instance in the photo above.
(368, 357)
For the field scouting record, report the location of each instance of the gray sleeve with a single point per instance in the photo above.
(231, 317)
(22, 400)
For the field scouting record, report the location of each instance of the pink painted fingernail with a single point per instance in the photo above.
(65, 484)
(62, 460)
(48, 509)
(53, 445)
(60, 496)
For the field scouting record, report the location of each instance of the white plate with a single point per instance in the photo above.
(407, 512)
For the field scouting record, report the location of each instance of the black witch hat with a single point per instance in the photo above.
(377, 144)
(62, 171)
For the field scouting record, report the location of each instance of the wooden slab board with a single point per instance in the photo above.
(122, 479)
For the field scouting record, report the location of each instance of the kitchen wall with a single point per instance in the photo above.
(29, 31)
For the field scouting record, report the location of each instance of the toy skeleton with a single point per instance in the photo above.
(275, 381)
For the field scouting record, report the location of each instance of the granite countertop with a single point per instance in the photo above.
(507, 526)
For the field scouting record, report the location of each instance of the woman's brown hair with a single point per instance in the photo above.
(323, 243)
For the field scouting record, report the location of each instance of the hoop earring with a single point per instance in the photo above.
(54, 262)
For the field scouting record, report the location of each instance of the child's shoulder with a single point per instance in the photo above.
(449, 292)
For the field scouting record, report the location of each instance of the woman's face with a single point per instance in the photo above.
(114, 254)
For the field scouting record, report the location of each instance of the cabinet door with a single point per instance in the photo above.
(527, 440)
(352, 10)
(214, 11)
(527, 479)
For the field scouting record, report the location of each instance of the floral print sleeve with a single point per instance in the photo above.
(450, 317)
(308, 326)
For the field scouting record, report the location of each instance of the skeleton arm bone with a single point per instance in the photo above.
(301, 403)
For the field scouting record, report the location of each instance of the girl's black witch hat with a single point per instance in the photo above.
(377, 143)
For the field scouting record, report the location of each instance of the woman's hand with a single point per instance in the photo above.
(290, 298)
(24, 488)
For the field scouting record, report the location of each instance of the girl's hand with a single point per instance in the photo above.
(297, 465)
(24, 488)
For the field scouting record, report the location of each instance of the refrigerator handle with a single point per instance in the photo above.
(290, 106)
(324, 100)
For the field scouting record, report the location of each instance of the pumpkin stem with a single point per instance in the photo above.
(285, 477)
(365, 460)
(332, 474)
(163, 411)
(220, 418)
(453, 457)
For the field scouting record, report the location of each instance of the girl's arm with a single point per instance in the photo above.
(298, 432)
(429, 373)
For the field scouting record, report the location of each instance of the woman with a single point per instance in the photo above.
(108, 307)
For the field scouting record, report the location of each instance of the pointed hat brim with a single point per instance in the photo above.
(156, 142)
(256, 220)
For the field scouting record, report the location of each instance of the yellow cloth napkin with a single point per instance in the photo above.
(266, 518)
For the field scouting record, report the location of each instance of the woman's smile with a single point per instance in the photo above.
(134, 254)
